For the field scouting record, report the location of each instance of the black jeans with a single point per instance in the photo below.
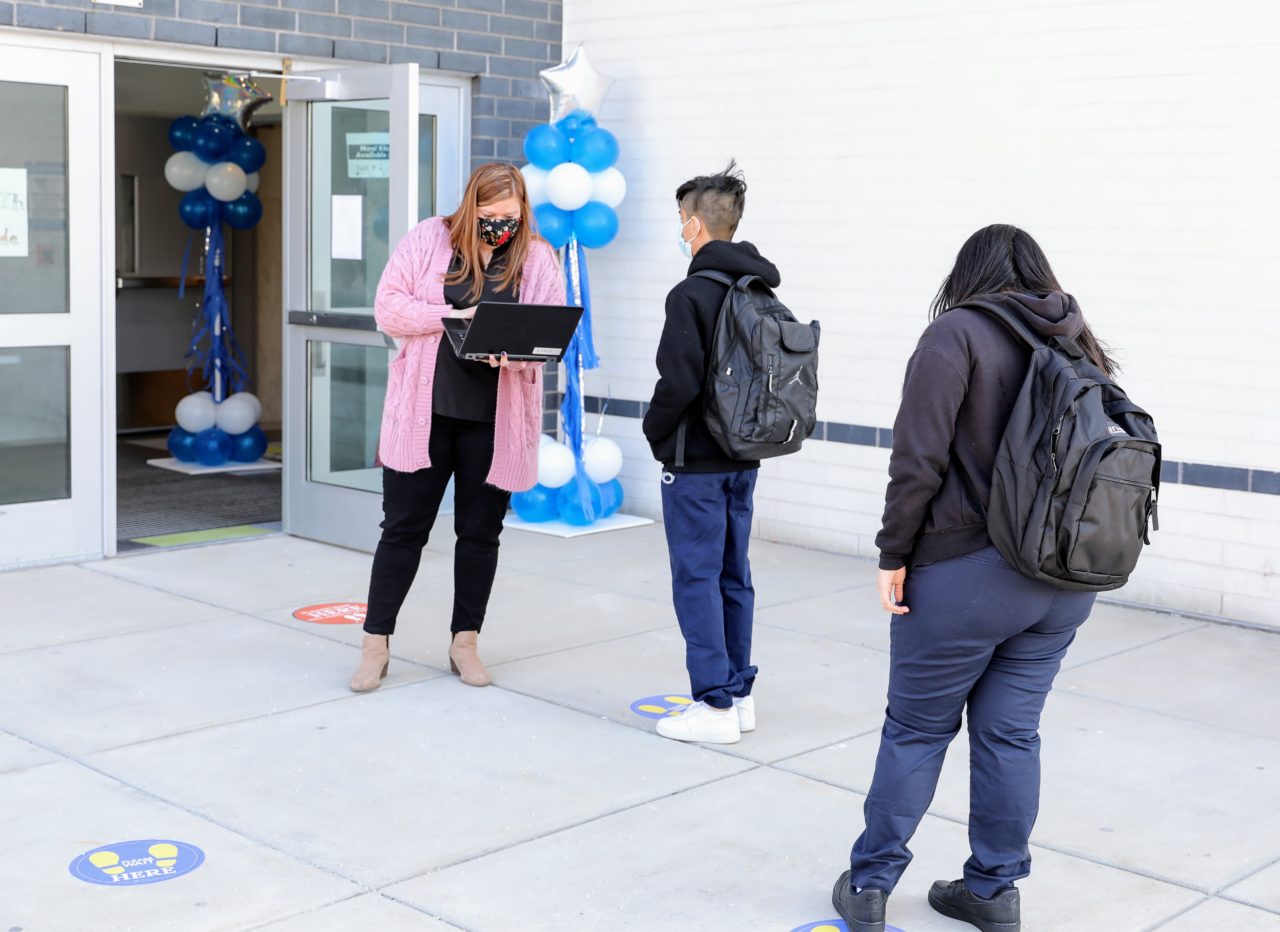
(410, 501)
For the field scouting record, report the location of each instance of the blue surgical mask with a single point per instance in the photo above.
(686, 245)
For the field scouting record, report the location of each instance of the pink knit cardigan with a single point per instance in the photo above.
(410, 306)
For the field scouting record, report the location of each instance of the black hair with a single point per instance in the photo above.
(718, 199)
(1002, 258)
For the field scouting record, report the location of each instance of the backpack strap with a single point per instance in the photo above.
(729, 282)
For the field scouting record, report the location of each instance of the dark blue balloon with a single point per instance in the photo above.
(537, 504)
(199, 209)
(248, 153)
(182, 444)
(212, 447)
(244, 212)
(610, 497)
(572, 509)
(546, 147)
(554, 225)
(182, 132)
(249, 446)
(595, 149)
(595, 224)
(212, 140)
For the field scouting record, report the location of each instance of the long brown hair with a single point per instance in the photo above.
(1005, 258)
(489, 183)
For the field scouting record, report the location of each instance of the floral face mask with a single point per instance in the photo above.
(498, 231)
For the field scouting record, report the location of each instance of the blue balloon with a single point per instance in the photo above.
(212, 447)
(570, 507)
(249, 446)
(248, 153)
(610, 497)
(244, 212)
(554, 225)
(182, 444)
(546, 147)
(199, 209)
(537, 504)
(595, 224)
(182, 133)
(595, 149)
(572, 124)
(212, 141)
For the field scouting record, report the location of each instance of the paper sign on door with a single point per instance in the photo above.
(347, 232)
(14, 240)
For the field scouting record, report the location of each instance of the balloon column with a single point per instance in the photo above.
(574, 188)
(216, 164)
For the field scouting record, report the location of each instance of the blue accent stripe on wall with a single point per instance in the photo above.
(1206, 475)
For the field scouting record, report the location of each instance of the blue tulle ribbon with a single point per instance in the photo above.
(579, 357)
(213, 320)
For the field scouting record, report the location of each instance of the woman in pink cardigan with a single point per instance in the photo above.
(478, 423)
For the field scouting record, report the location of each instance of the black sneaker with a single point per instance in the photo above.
(999, 914)
(862, 911)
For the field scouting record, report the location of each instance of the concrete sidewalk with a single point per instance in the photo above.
(172, 696)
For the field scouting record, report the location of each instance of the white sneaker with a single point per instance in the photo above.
(701, 722)
(746, 707)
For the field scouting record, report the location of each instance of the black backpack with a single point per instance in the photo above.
(1077, 473)
(762, 374)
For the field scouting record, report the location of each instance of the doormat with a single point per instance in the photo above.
(187, 538)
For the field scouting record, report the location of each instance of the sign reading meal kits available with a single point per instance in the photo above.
(368, 155)
(14, 240)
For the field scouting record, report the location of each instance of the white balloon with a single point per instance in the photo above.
(253, 400)
(601, 459)
(185, 171)
(196, 412)
(555, 465)
(568, 186)
(608, 187)
(251, 182)
(535, 182)
(236, 414)
(544, 439)
(226, 181)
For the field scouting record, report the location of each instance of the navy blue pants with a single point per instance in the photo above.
(984, 637)
(708, 522)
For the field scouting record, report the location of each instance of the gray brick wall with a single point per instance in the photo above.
(504, 43)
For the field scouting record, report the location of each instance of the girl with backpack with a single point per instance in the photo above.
(969, 633)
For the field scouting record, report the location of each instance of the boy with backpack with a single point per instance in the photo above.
(722, 402)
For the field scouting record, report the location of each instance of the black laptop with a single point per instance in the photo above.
(525, 332)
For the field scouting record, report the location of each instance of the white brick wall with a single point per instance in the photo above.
(1138, 140)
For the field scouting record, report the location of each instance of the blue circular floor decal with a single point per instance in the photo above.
(833, 925)
(130, 863)
(660, 706)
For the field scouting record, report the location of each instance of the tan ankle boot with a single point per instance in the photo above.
(465, 662)
(375, 658)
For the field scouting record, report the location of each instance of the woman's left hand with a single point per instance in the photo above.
(506, 363)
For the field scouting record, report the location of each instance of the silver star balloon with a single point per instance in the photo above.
(575, 85)
(233, 96)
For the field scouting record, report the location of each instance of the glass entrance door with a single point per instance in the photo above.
(369, 153)
(52, 408)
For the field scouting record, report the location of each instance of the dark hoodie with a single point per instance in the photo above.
(692, 309)
(959, 391)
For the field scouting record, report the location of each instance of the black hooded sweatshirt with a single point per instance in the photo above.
(959, 391)
(692, 309)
